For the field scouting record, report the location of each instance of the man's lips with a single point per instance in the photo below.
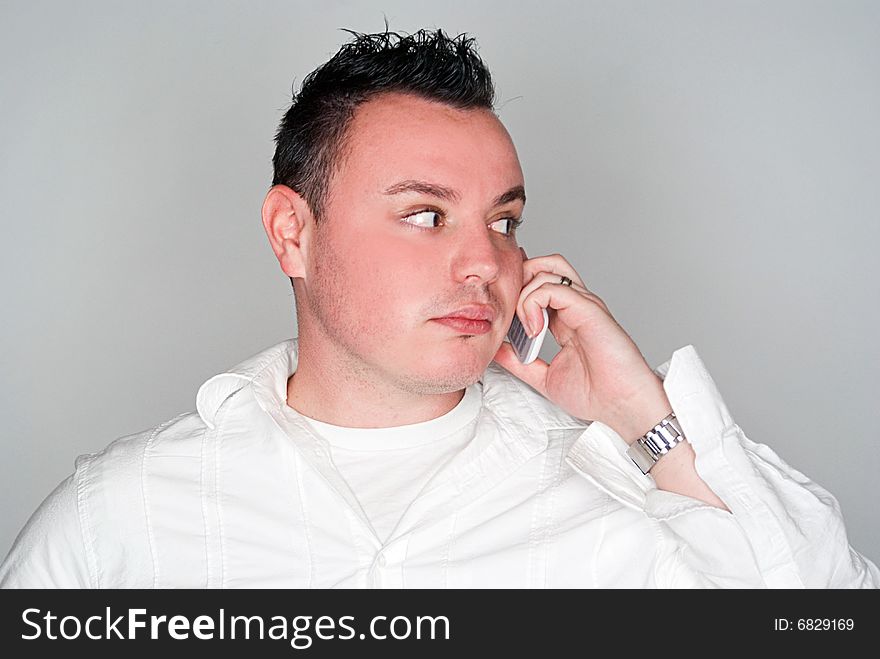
(465, 325)
(470, 319)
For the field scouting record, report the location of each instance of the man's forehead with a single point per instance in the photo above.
(393, 120)
(415, 106)
(401, 144)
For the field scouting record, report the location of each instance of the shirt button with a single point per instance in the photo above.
(383, 561)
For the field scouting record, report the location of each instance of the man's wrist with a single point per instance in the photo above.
(642, 413)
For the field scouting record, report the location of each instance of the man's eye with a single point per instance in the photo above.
(508, 225)
(423, 219)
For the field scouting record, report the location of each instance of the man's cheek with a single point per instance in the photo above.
(512, 277)
(380, 298)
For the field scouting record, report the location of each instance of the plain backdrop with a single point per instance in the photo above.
(710, 168)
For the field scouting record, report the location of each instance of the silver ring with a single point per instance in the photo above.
(565, 281)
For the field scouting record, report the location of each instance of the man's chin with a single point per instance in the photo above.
(439, 385)
(451, 376)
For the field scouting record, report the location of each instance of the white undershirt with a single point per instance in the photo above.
(386, 468)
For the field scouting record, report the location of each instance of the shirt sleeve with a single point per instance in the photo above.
(49, 552)
(782, 531)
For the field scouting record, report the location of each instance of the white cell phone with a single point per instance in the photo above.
(526, 349)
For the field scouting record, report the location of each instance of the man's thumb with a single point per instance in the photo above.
(532, 374)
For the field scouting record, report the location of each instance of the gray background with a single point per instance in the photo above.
(710, 168)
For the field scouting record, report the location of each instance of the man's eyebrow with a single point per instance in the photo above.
(516, 192)
(423, 187)
(448, 194)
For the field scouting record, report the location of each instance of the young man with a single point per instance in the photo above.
(383, 447)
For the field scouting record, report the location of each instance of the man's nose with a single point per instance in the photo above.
(477, 256)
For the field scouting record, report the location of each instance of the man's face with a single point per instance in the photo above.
(390, 259)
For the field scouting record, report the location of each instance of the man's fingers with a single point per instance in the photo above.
(534, 319)
(555, 263)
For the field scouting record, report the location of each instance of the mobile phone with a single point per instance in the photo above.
(526, 349)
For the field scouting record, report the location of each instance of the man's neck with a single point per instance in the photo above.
(323, 390)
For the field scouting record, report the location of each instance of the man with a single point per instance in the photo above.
(383, 447)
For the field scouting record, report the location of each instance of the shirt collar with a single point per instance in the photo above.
(274, 364)
(514, 403)
(404, 436)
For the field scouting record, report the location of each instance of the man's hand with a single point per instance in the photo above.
(599, 374)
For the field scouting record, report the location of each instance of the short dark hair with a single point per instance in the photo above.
(311, 138)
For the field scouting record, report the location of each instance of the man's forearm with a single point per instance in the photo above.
(675, 471)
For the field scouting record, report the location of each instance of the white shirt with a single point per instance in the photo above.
(244, 493)
(387, 468)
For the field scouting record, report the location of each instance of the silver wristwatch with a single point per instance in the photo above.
(655, 443)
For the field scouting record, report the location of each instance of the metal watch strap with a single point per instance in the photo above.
(654, 444)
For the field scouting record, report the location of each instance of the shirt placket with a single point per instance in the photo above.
(317, 455)
(386, 570)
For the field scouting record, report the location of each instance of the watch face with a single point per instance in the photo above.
(642, 458)
(657, 442)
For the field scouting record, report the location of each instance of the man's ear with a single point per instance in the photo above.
(288, 223)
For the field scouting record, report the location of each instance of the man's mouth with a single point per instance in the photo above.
(466, 325)
(469, 319)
